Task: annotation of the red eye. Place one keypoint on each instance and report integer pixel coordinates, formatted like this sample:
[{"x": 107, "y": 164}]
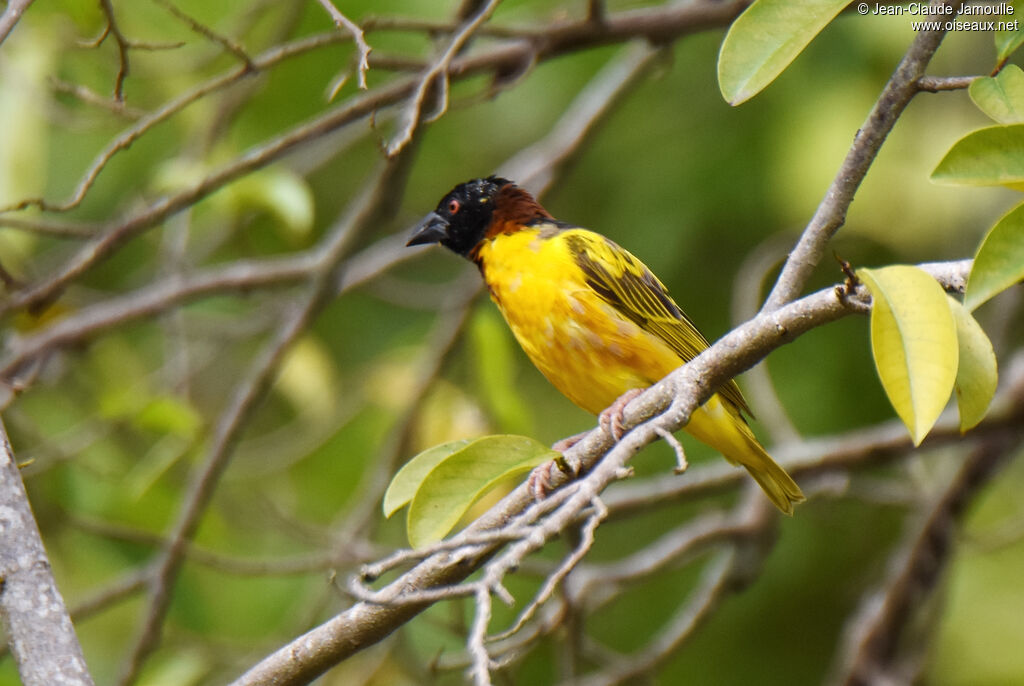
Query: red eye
[{"x": 453, "y": 206}]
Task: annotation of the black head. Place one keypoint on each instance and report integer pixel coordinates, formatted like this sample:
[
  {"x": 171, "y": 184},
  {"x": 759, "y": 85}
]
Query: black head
[{"x": 462, "y": 217}]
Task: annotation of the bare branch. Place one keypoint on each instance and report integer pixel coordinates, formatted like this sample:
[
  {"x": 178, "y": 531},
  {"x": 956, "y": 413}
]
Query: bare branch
[
  {"x": 747, "y": 294},
  {"x": 205, "y": 31},
  {"x": 346, "y": 24},
  {"x": 871, "y": 650},
  {"x": 12, "y": 13},
  {"x": 714, "y": 585},
  {"x": 247, "y": 396},
  {"x": 90, "y": 97},
  {"x": 936, "y": 84},
  {"x": 668, "y": 402},
  {"x": 536, "y": 166},
  {"x": 831, "y": 213},
  {"x": 660, "y": 23},
  {"x": 437, "y": 77},
  {"x": 122, "y": 49},
  {"x": 39, "y": 628},
  {"x": 125, "y": 140},
  {"x": 551, "y": 583}
]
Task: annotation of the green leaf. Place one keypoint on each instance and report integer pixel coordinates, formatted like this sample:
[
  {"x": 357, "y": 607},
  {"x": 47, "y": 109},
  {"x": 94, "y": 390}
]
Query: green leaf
[
  {"x": 408, "y": 479},
  {"x": 987, "y": 157},
  {"x": 494, "y": 359},
  {"x": 913, "y": 340},
  {"x": 170, "y": 414},
  {"x": 309, "y": 380},
  {"x": 465, "y": 475},
  {"x": 1002, "y": 96},
  {"x": 282, "y": 193},
  {"x": 765, "y": 39},
  {"x": 1007, "y": 41},
  {"x": 976, "y": 374},
  {"x": 999, "y": 262}
]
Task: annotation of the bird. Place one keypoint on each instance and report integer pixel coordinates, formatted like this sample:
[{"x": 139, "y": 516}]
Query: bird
[{"x": 590, "y": 315}]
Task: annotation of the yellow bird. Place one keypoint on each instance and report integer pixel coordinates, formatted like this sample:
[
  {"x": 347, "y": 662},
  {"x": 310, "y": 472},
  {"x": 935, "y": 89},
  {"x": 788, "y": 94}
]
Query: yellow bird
[{"x": 591, "y": 316}]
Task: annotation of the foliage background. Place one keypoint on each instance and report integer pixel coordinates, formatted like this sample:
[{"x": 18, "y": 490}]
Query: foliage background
[{"x": 113, "y": 425}]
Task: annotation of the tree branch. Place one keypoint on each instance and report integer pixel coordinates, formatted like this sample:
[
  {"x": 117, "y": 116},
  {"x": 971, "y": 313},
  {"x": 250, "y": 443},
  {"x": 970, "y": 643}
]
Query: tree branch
[
  {"x": 247, "y": 395},
  {"x": 658, "y": 24},
  {"x": 12, "y": 13},
  {"x": 874, "y": 636},
  {"x": 667, "y": 404},
  {"x": 39, "y": 629},
  {"x": 831, "y": 213}
]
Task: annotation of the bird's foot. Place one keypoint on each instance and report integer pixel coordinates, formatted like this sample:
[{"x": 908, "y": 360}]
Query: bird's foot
[
  {"x": 542, "y": 479},
  {"x": 611, "y": 419}
]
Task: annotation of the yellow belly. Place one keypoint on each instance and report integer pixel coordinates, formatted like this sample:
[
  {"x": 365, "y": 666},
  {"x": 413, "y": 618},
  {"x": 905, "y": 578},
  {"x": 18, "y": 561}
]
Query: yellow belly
[
  {"x": 584, "y": 347},
  {"x": 593, "y": 354}
]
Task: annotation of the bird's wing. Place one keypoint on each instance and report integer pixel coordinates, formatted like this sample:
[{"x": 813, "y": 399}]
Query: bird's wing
[{"x": 626, "y": 283}]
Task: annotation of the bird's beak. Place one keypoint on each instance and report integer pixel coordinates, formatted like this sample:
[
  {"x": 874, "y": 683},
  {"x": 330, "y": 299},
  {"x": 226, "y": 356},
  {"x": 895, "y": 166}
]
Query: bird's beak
[{"x": 432, "y": 229}]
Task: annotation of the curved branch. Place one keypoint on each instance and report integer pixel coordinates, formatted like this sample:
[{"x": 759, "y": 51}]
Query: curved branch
[
  {"x": 667, "y": 404},
  {"x": 248, "y": 393},
  {"x": 831, "y": 213},
  {"x": 658, "y": 25}
]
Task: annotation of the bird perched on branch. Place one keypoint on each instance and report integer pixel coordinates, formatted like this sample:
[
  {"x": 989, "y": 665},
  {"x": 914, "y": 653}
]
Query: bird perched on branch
[{"x": 591, "y": 316}]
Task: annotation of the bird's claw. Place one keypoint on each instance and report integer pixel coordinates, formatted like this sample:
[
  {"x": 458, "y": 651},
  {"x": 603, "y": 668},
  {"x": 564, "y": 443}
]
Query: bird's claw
[
  {"x": 541, "y": 480},
  {"x": 611, "y": 419}
]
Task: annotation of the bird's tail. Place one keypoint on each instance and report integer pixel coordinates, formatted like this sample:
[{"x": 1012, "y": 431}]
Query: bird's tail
[
  {"x": 721, "y": 426},
  {"x": 774, "y": 481}
]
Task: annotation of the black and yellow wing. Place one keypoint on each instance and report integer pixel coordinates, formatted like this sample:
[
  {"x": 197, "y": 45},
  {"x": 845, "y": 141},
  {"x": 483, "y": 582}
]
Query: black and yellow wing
[{"x": 624, "y": 282}]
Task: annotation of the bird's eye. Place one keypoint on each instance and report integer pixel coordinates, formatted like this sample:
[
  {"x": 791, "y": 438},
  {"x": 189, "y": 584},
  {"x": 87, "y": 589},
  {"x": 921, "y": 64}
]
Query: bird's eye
[{"x": 453, "y": 206}]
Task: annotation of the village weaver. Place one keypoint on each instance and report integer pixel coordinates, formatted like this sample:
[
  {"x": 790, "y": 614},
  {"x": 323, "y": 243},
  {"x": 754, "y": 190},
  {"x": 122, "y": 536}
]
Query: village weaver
[{"x": 591, "y": 316}]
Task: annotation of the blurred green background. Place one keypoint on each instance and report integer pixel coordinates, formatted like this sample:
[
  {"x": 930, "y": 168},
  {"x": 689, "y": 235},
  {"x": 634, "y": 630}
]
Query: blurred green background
[{"x": 689, "y": 184}]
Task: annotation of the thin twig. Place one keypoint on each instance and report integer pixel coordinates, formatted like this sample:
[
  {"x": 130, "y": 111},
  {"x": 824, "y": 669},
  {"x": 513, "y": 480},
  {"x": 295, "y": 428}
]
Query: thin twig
[
  {"x": 124, "y": 66},
  {"x": 231, "y": 46},
  {"x": 551, "y": 583},
  {"x": 714, "y": 585},
  {"x": 346, "y": 24},
  {"x": 936, "y": 84},
  {"x": 246, "y": 397},
  {"x": 125, "y": 140},
  {"x": 86, "y": 95},
  {"x": 437, "y": 76},
  {"x": 661, "y": 23}
]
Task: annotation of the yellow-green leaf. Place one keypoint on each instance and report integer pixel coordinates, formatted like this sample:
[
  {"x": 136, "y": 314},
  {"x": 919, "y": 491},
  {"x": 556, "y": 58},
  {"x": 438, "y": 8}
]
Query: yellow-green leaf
[
  {"x": 977, "y": 374},
  {"x": 993, "y": 156},
  {"x": 408, "y": 479},
  {"x": 170, "y": 414},
  {"x": 913, "y": 340},
  {"x": 999, "y": 262},
  {"x": 465, "y": 475},
  {"x": 282, "y": 193},
  {"x": 309, "y": 380},
  {"x": 765, "y": 39},
  {"x": 1011, "y": 38},
  {"x": 1002, "y": 96}
]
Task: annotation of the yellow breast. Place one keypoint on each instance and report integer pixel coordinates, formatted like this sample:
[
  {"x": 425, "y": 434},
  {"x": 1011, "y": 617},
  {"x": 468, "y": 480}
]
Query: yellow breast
[{"x": 585, "y": 348}]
